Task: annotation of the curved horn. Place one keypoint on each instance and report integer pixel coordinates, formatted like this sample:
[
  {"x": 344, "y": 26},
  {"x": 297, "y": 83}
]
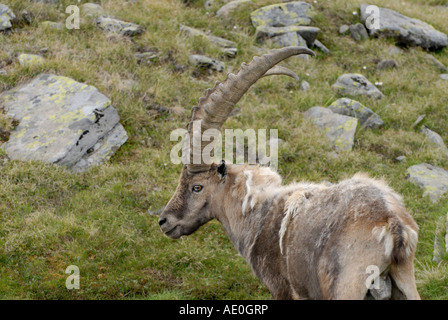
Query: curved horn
[
  {"x": 278, "y": 70},
  {"x": 214, "y": 108}
]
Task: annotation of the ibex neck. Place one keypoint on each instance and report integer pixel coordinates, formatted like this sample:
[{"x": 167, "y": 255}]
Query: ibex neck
[{"x": 254, "y": 198}]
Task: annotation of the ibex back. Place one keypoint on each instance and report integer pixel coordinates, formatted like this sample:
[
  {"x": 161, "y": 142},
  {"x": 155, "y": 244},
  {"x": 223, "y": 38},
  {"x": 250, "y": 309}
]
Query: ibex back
[{"x": 304, "y": 240}]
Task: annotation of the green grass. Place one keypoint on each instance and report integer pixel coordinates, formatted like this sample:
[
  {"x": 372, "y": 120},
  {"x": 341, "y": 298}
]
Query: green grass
[{"x": 51, "y": 218}]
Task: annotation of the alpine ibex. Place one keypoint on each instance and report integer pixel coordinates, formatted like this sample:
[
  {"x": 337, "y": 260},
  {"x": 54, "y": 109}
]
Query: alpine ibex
[{"x": 304, "y": 240}]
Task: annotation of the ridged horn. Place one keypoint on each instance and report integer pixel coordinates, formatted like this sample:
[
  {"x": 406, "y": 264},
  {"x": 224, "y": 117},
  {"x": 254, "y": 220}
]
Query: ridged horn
[{"x": 214, "y": 108}]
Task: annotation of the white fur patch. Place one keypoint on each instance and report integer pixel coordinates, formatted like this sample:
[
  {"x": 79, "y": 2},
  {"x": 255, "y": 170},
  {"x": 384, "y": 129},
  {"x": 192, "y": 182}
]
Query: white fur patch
[
  {"x": 412, "y": 241},
  {"x": 383, "y": 235},
  {"x": 248, "y": 175},
  {"x": 292, "y": 205},
  {"x": 284, "y": 225}
]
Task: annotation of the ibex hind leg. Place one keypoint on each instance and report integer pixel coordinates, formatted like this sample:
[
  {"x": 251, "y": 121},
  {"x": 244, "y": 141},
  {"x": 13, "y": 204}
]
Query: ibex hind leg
[
  {"x": 354, "y": 285},
  {"x": 351, "y": 286},
  {"x": 360, "y": 269},
  {"x": 403, "y": 281}
]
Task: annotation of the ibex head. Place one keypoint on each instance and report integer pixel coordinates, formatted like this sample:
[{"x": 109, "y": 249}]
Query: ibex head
[{"x": 201, "y": 185}]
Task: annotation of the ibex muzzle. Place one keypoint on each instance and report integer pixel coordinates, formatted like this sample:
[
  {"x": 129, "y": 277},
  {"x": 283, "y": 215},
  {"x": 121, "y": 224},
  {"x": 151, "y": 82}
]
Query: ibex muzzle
[{"x": 304, "y": 240}]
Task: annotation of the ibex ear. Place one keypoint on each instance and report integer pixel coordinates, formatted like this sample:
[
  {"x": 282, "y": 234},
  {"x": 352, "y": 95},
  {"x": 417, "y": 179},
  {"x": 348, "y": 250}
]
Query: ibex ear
[{"x": 222, "y": 169}]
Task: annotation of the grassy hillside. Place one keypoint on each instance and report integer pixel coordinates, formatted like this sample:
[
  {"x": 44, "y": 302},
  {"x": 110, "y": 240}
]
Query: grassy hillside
[{"x": 51, "y": 218}]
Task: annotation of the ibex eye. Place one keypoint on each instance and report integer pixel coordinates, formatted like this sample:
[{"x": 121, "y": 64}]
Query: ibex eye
[{"x": 197, "y": 188}]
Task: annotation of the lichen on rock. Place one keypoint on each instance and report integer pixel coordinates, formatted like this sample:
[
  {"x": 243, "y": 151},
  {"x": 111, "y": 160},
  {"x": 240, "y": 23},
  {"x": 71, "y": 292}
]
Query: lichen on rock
[{"x": 61, "y": 120}]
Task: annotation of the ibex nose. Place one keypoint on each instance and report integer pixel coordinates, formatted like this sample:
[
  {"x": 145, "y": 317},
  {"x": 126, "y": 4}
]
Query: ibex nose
[{"x": 162, "y": 221}]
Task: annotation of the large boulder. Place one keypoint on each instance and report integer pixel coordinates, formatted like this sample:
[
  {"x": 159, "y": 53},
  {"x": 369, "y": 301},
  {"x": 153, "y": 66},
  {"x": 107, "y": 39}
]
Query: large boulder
[
  {"x": 405, "y": 30},
  {"x": 283, "y": 14},
  {"x": 339, "y": 129},
  {"x": 61, "y": 121},
  {"x": 287, "y": 24},
  {"x": 354, "y": 84},
  {"x": 353, "y": 108},
  {"x": 6, "y": 15},
  {"x": 433, "y": 180}
]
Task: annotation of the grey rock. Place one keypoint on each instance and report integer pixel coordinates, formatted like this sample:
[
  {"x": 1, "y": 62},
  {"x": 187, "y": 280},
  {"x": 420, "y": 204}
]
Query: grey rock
[
  {"x": 419, "y": 121},
  {"x": 435, "y": 138},
  {"x": 444, "y": 76},
  {"x": 289, "y": 39},
  {"x": 92, "y": 10},
  {"x": 438, "y": 253},
  {"x": 204, "y": 62},
  {"x": 27, "y": 17},
  {"x": 386, "y": 64},
  {"x": 147, "y": 58},
  {"x": 284, "y": 14},
  {"x": 358, "y": 32},
  {"x": 304, "y": 86},
  {"x": 61, "y": 121},
  {"x": 344, "y": 29},
  {"x": 319, "y": 45},
  {"x": 113, "y": 25},
  {"x": 223, "y": 43},
  {"x": 226, "y": 10},
  {"x": 339, "y": 129},
  {"x": 208, "y": 4},
  {"x": 395, "y": 51},
  {"x": 352, "y": 108},
  {"x": 433, "y": 180},
  {"x": 400, "y": 158},
  {"x": 356, "y": 84},
  {"x": 308, "y": 33},
  {"x": 431, "y": 59},
  {"x": 3, "y": 72},
  {"x": 230, "y": 52},
  {"x": 6, "y": 15},
  {"x": 103, "y": 150},
  {"x": 405, "y": 30}
]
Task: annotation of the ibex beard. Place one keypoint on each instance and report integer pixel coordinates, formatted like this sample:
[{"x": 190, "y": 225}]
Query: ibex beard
[{"x": 304, "y": 240}]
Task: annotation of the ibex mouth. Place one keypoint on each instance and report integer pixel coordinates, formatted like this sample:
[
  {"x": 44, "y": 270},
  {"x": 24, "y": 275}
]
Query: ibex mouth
[{"x": 171, "y": 231}]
